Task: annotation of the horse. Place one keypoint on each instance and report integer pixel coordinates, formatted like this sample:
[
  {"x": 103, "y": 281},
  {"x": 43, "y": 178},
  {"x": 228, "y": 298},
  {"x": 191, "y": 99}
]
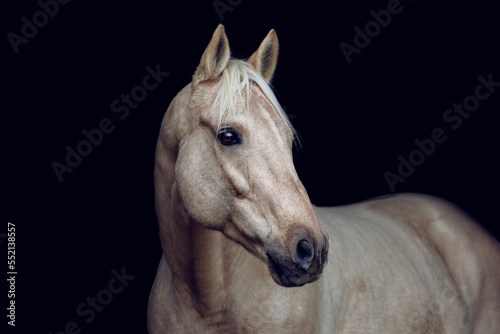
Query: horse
[{"x": 245, "y": 251}]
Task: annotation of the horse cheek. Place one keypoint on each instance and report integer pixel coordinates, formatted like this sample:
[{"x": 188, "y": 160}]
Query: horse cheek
[{"x": 200, "y": 188}]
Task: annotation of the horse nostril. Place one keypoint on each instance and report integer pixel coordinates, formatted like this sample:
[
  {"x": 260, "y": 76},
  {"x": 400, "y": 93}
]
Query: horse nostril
[
  {"x": 304, "y": 253},
  {"x": 324, "y": 252}
]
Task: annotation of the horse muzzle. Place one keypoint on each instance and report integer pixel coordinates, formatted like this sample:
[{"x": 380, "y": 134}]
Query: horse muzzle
[{"x": 302, "y": 264}]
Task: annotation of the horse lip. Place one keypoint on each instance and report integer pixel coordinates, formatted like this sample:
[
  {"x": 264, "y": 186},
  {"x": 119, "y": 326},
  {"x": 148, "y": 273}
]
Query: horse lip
[
  {"x": 280, "y": 276},
  {"x": 277, "y": 273}
]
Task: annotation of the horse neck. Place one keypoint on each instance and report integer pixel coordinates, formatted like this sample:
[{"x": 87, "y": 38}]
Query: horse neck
[{"x": 200, "y": 261}]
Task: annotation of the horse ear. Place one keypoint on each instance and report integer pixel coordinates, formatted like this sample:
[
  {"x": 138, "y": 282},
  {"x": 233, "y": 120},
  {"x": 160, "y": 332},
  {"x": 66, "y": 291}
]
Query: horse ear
[
  {"x": 215, "y": 58},
  {"x": 265, "y": 58}
]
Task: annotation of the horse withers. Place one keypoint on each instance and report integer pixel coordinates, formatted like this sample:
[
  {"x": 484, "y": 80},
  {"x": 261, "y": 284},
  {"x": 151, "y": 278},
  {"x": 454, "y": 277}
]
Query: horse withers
[{"x": 245, "y": 251}]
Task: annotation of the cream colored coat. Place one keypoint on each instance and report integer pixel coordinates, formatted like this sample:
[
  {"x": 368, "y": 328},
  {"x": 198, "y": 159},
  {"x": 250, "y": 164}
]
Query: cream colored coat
[{"x": 230, "y": 218}]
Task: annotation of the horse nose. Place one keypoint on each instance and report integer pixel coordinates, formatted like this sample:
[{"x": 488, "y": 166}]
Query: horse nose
[
  {"x": 304, "y": 254},
  {"x": 305, "y": 262},
  {"x": 311, "y": 255}
]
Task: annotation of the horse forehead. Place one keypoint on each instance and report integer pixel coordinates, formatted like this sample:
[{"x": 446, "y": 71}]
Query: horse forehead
[
  {"x": 258, "y": 108},
  {"x": 261, "y": 100},
  {"x": 251, "y": 109}
]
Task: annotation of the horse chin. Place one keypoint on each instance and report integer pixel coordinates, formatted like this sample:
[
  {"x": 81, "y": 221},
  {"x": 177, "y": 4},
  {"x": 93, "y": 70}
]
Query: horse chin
[
  {"x": 287, "y": 283},
  {"x": 287, "y": 277}
]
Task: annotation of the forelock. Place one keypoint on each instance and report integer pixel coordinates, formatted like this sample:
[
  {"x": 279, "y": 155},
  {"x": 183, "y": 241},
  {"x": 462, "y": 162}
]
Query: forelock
[{"x": 238, "y": 77}]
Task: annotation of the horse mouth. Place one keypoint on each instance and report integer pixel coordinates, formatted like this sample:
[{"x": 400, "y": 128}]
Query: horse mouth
[{"x": 287, "y": 274}]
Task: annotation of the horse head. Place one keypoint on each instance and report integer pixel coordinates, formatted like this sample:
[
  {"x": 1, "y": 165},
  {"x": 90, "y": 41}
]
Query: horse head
[{"x": 234, "y": 169}]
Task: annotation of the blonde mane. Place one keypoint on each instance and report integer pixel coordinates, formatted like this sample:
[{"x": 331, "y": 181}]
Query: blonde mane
[{"x": 237, "y": 77}]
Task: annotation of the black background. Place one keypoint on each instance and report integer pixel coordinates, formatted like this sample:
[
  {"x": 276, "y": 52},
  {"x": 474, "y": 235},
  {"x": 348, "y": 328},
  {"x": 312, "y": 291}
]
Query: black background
[{"x": 354, "y": 121}]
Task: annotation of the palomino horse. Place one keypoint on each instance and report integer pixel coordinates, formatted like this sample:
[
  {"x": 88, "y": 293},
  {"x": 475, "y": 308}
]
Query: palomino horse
[{"x": 243, "y": 247}]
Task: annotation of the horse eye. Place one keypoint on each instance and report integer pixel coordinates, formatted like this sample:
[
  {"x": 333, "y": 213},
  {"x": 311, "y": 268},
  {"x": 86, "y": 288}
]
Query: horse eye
[{"x": 229, "y": 137}]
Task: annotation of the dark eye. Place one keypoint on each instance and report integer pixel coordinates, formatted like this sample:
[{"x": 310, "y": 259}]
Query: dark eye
[{"x": 229, "y": 137}]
